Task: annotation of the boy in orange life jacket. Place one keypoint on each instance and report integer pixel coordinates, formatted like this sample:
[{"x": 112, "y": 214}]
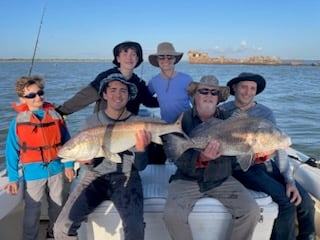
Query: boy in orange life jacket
[{"x": 34, "y": 138}]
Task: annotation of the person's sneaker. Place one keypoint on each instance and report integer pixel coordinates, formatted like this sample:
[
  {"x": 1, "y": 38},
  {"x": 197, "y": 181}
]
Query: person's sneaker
[{"x": 49, "y": 236}]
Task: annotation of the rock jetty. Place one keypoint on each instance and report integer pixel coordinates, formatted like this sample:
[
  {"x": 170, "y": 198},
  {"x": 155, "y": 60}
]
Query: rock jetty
[{"x": 196, "y": 57}]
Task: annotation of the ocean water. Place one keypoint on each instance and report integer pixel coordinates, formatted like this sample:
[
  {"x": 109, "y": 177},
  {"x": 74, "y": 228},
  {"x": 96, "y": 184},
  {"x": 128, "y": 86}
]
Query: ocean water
[{"x": 292, "y": 92}]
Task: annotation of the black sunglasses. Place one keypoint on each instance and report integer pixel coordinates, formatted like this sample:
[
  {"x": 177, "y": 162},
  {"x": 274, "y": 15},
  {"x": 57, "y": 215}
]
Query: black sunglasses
[
  {"x": 205, "y": 91},
  {"x": 163, "y": 57},
  {"x": 33, "y": 95}
]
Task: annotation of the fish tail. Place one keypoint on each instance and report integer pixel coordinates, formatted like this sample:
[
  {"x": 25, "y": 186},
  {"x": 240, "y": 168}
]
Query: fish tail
[
  {"x": 175, "y": 145},
  {"x": 178, "y": 123}
]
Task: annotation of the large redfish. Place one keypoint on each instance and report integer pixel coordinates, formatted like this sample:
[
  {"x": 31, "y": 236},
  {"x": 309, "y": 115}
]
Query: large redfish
[
  {"x": 110, "y": 139},
  {"x": 240, "y": 136}
]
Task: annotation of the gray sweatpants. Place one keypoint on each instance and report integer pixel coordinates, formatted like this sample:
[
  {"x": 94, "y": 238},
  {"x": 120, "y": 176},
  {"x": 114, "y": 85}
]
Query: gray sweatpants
[
  {"x": 34, "y": 191},
  {"x": 231, "y": 193}
]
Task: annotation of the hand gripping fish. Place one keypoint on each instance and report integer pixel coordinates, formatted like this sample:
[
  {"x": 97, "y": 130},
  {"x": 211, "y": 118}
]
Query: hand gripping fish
[
  {"x": 110, "y": 139},
  {"x": 239, "y": 136}
]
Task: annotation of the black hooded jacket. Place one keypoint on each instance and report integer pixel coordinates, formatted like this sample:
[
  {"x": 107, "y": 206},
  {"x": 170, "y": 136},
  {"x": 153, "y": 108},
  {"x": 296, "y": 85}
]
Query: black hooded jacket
[{"x": 90, "y": 94}]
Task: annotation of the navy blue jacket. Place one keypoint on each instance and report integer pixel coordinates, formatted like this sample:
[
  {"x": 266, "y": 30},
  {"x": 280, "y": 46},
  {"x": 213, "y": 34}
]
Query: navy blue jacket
[{"x": 215, "y": 173}]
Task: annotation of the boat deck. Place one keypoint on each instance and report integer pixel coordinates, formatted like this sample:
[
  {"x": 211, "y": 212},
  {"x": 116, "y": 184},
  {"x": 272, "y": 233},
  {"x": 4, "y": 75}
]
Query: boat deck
[{"x": 11, "y": 225}]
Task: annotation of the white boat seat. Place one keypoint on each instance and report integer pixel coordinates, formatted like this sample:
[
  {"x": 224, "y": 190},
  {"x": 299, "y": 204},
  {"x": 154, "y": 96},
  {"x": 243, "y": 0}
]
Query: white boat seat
[{"x": 206, "y": 212}]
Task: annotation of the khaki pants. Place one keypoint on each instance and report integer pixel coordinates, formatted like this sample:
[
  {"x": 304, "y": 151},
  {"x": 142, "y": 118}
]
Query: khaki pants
[{"x": 231, "y": 193}]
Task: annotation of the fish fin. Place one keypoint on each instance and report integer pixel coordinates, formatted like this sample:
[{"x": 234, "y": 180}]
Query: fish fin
[
  {"x": 238, "y": 113},
  {"x": 157, "y": 140},
  {"x": 245, "y": 161},
  {"x": 114, "y": 157},
  {"x": 174, "y": 145},
  {"x": 64, "y": 160},
  {"x": 147, "y": 119}
]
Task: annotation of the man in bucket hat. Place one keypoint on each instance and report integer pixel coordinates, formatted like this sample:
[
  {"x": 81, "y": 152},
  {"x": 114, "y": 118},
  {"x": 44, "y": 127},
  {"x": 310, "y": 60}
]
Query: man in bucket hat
[
  {"x": 207, "y": 173},
  {"x": 170, "y": 87},
  {"x": 127, "y": 56},
  {"x": 272, "y": 176},
  {"x": 132, "y": 88},
  {"x": 106, "y": 180}
]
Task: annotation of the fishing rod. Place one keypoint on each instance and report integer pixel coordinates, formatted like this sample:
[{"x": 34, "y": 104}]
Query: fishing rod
[
  {"x": 36, "y": 45},
  {"x": 313, "y": 162}
]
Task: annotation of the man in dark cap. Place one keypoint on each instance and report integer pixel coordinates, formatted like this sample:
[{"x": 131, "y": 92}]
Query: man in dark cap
[
  {"x": 272, "y": 176},
  {"x": 127, "y": 56},
  {"x": 107, "y": 180}
]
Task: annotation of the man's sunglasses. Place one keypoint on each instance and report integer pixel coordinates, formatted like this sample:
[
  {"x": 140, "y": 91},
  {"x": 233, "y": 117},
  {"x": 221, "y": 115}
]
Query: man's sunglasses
[
  {"x": 33, "y": 95},
  {"x": 205, "y": 91},
  {"x": 169, "y": 57}
]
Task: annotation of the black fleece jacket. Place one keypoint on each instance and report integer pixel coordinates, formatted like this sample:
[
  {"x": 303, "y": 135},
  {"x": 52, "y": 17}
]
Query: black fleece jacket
[{"x": 90, "y": 94}]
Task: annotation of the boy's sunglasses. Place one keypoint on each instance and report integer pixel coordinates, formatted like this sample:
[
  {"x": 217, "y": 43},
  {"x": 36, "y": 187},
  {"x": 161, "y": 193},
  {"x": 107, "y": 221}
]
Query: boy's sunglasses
[
  {"x": 205, "y": 91},
  {"x": 33, "y": 95}
]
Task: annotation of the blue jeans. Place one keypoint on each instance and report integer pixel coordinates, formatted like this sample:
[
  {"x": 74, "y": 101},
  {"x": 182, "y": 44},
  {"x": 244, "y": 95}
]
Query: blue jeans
[
  {"x": 271, "y": 182},
  {"x": 124, "y": 191}
]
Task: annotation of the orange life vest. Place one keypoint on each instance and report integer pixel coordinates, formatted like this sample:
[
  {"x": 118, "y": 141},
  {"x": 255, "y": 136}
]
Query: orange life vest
[{"x": 39, "y": 140}]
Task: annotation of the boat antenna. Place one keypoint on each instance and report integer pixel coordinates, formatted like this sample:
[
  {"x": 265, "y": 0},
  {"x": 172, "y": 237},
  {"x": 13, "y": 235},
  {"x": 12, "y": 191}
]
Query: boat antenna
[{"x": 36, "y": 45}]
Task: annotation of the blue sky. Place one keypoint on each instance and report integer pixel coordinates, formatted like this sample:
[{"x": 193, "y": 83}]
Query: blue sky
[{"x": 289, "y": 29}]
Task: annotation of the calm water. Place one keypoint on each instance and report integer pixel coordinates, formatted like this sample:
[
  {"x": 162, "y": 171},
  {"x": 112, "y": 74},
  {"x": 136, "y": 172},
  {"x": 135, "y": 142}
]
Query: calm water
[{"x": 292, "y": 92}]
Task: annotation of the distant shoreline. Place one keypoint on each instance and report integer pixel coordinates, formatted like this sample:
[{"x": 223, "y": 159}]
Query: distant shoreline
[
  {"x": 284, "y": 62},
  {"x": 53, "y": 60}
]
